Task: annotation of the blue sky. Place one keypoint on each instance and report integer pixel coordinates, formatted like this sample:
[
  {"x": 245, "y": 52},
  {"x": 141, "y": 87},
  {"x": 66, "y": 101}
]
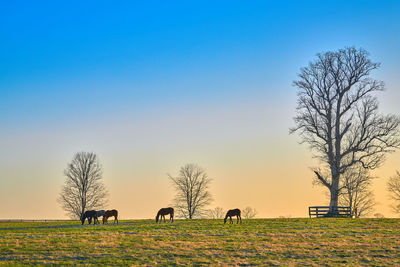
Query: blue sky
[
  {"x": 100, "y": 57},
  {"x": 200, "y": 80}
]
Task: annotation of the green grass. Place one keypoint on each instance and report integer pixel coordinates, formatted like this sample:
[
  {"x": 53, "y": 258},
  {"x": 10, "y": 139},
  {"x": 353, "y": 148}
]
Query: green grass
[{"x": 322, "y": 241}]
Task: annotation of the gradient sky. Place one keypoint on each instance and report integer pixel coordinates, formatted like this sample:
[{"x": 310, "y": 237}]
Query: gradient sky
[{"x": 151, "y": 86}]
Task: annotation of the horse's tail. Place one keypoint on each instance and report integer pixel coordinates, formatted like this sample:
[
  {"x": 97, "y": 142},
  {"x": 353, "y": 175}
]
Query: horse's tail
[{"x": 116, "y": 216}]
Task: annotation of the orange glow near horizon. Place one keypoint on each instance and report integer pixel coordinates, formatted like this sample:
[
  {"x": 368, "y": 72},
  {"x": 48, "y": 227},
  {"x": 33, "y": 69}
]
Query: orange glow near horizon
[{"x": 251, "y": 164}]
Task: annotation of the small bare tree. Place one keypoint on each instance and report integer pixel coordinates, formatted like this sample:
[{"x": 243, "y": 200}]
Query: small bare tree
[
  {"x": 337, "y": 116},
  {"x": 393, "y": 186},
  {"x": 379, "y": 215},
  {"x": 216, "y": 213},
  {"x": 83, "y": 189},
  {"x": 249, "y": 213},
  {"x": 192, "y": 191},
  {"x": 356, "y": 192}
]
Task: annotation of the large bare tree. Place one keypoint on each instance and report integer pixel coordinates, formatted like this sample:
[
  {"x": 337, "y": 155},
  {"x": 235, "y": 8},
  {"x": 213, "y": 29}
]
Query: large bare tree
[
  {"x": 393, "y": 186},
  {"x": 83, "y": 189},
  {"x": 337, "y": 115},
  {"x": 192, "y": 195}
]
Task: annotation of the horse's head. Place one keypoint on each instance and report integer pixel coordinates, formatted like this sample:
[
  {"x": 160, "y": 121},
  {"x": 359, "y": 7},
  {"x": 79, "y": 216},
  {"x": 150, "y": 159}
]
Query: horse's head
[
  {"x": 83, "y": 219},
  {"x": 225, "y": 219},
  {"x": 157, "y": 218}
]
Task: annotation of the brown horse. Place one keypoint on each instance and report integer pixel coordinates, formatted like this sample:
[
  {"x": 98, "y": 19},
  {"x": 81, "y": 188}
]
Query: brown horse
[
  {"x": 230, "y": 213},
  {"x": 165, "y": 211},
  {"x": 110, "y": 213}
]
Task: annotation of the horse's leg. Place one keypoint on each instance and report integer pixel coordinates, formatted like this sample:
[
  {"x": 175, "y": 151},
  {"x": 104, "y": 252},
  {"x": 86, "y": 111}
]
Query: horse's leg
[
  {"x": 230, "y": 219},
  {"x": 237, "y": 219},
  {"x": 164, "y": 217},
  {"x": 240, "y": 217}
]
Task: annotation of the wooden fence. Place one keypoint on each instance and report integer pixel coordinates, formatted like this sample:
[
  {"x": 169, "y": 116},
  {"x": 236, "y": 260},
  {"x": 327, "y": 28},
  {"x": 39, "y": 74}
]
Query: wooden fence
[{"x": 323, "y": 211}]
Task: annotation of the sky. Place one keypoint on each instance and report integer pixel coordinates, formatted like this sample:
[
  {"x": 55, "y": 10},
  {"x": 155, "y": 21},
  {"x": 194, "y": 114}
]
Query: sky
[{"x": 150, "y": 86}]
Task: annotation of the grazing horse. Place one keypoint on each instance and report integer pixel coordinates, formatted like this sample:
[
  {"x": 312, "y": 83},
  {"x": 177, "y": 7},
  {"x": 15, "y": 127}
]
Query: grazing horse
[
  {"x": 89, "y": 214},
  {"x": 110, "y": 213},
  {"x": 99, "y": 213},
  {"x": 230, "y": 213},
  {"x": 165, "y": 211}
]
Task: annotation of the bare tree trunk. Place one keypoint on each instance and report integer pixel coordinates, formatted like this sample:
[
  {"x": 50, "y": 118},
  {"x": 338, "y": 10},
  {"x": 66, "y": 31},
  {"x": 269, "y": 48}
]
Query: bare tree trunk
[{"x": 333, "y": 204}]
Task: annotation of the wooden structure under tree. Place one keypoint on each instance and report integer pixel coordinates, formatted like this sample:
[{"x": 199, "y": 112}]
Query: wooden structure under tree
[{"x": 324, "y": 211}]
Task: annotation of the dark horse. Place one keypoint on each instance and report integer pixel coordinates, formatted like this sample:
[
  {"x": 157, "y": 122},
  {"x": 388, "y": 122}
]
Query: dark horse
[
  {"x": 110, "y": 213},
  {"x": 89, "y": 214},
  {"x": 99, "y": 213},
  {"x": 165, "y": 211},
  {"x": 230, "y": 213}
]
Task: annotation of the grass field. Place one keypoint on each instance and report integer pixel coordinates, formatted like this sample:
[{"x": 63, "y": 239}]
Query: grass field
[{"x": 322, "y": 241}]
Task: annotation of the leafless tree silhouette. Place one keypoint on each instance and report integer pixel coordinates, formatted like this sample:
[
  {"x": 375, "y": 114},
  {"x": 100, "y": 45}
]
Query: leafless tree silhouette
[
  {"x": 337, "y": 115},
  {"x": 249, "y": 213},
  {"x": 83, "y": 189},
  {"x": 393, "y": 186},
  {"x": 216, "y": 213},
  {"x": 192, "y": 194},
  {"x": 356, "y": 191}
]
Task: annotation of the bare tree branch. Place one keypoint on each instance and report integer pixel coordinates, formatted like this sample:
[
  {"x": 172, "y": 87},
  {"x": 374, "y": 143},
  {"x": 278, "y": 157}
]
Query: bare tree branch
[
  {"x": 249, "y": 213},
  {"x": 393, "y": 186},
  {"x": 216, "y": 213},
  {"x": 355, "y": 191}
]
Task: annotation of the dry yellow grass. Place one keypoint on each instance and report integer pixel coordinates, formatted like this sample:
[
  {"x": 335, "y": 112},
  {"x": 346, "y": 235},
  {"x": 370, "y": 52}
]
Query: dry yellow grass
[{"x": 310, "y": 242}]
